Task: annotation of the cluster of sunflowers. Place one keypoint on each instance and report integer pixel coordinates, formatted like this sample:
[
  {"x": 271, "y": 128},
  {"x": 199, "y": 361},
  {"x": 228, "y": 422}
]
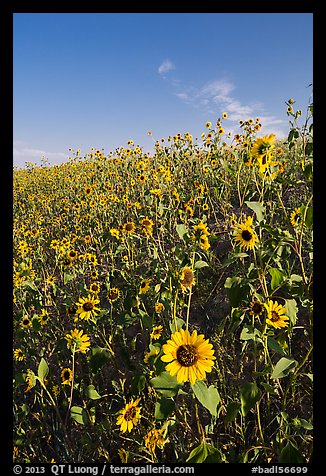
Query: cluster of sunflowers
[{"x": 114, "y": 254}]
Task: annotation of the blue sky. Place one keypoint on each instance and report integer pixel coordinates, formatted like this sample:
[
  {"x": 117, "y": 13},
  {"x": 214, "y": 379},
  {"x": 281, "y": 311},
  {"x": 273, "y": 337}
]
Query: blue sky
[{"x": 85, "y": 80}]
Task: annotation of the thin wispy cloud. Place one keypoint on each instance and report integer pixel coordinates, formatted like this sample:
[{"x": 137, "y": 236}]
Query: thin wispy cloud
[
  {"x": 165, "y": 67},
  {"x": 23, "y": 153},
  {"x": 218, "y": 95}
]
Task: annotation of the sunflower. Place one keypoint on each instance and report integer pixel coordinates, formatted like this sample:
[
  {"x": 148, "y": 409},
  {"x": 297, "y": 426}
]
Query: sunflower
[
  {"x": 44, "y": 317},
  {"x": 201, "y": 228},
  {"x": 50, "y": 280},
  {"x": 256, "y": 308},
  {"x": 115, "y": 232},
  {"x": 296, "y": 217},
  {"x": 159, "y": 306},
  {"x": 187, "y": 278},
  {"x": 25, "y": 322},
  {"x": 129, "y": 416},
  {"x": 94, "y": 274},
  {"x": 78, "y": 340},
  {"x": 189, "y": 356},
  {"x": 156, "y": 332},
  {"x": 72, "y": 255},
  {"x": 144, "y": 286},
  {"x": 30, "y": 379},
  {"x": 224, "y": 115},
  {"x": 154, "y": 438},
  {"x": 147, "y": 223},
  {"x": 262, "y": 151},
  {"x": 204, "y": 243},
  {"x": 128, "y": 228},
  {"x": 95, "y": 288},
  {"x": 86, "y": 307},
  {"x": 113, "y": 294},
  {"x": 19, "y": 355},
  {"x": 245, "y": 235},
  {"x": 66, "y": 376},
  {"x": 276, "y": 314}
]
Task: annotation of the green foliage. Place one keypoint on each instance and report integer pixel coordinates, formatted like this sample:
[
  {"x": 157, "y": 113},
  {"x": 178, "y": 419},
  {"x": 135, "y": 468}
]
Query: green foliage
[{"x": 109, "y": 236}]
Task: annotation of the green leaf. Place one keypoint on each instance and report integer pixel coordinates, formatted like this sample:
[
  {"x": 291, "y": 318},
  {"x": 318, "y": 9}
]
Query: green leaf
[
  {"x": 249, "y": 395},
  {"x": 231, "y": 411},
  {"x": 138, "y": 384},
  {"x": 99, "y": 356},
  {"x": 283, "y": 367},
  {"x": 291, "y": 310},
  {"x": 306, "y": 424},
  {"x": 207, "y": 396},
  {"x": 250, "y": 333},
  {"x": 274, "y": 345},
  {"x": 181, "y": 230},
  {"x": 92, "y": 393},
  {"x": 258, "y": 208},
  {"x": 43, "y": 370},
  {"x": 201, "y": 264},
  {"x": 67, "y": 277},
  {"x": 290, "y": 454},
  {"x": 180, "y": 322},
  {"x": 79, "y": 415},
  {"x": 29, "y": 284},
  {"x": 236, "y": 289},
  {"x": 166, "y": 384},
  {"x": 163, "y": 408},
  {"x": 277, "y": 277},
  {"x": 204, "y": 453}
]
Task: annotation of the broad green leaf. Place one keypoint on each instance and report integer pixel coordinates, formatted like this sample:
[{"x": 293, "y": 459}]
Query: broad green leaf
[
  {"x": 181, "y": 230},
  {"x": 98, "y": 357},
  {"x": 283, "y": 367},
  {"x": 258, "y": 208},
  {"x": 207, "y": 396},
  {"x": 43, "y": 370},
  {"x": 67, "y": 277},
  {"x": 163, "y": 408},
  {"x": 204, "y": 453},
  {"x": 274, "y": 345},
  {"x": 277, "y": 277},
  {"x": 309, "y": 217},
  {"x": 138, "y": 384},
  {"x": 29, "y": 284},
  {"x": 290, "y": 454},
  {"x": 231, "y": 411},
  {"x": 249, "y": 395},
  {"x": 250, "y": 333},
  {"x": 166, "y": 384},
  {"x": 201, "y": 264},
  {"x": 291, "y": 310},
  {"x": 92, "y": 393},
  {"x": 236, "y": 289},
  {"x": 79, "y": 415},
  {"x": 179, "y": 323}
]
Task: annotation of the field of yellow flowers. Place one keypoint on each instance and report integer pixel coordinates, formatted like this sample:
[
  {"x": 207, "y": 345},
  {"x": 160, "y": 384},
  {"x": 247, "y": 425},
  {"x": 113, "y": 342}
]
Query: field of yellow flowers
[{"x": 163, "y": 302}]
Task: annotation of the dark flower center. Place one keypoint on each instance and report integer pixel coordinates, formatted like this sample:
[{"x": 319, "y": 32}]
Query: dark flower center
[
  {"x": 88, "y": 306},
  {"x": 130, "y": 414},
  {"x": 257, "y": 308},
  {"x": 66, "y": 375},
  {"x": 274, "y": 316},
  {"x": 113, "y": 295},
  {"x": 246, "y": 235},
  {"x": 187, "y": 355}
]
